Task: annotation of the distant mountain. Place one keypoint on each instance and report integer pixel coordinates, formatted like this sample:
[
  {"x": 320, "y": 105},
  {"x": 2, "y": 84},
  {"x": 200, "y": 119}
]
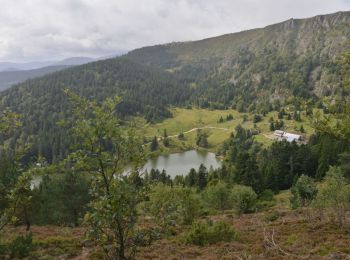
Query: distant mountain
[
  {"x": 9, "y": 78},
  {"x": 19, "y": 72},
  {"x": 5, "y": 66},
  {"x": 74, "y": 61}
]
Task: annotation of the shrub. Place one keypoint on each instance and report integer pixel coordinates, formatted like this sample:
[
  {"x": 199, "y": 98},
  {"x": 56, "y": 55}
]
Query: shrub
[
  {"x": 266, "y": 195},
  {"x": 334, "y": 195},
  {"x": 266, "y": 199},
  {"x": 202, "y": 234},
  {"x": 3, "y": 250},
  {"x": 304, "y": 191},
  {"x": 243, "y": 198},
  {"x": 171, "y": 206},
  {"x": 21, "y": 246},
  {"x": 257, "y": 118},
  {"x": 273, "y": 216},
  {"x": 218, "y": 196}
]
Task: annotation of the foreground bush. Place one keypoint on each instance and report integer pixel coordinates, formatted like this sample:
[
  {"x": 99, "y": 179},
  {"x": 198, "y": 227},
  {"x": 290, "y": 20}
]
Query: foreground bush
[
  {"x": 217, "y": 196},
  {"x": 21, "y": 246},
  {"x": 202, "y": 234},
  {"x": 304, "y": 191},
  {"x": 171, "y": 206},
  {"x": 243, "y": 199},
  {"x": 333, "y": 197}
]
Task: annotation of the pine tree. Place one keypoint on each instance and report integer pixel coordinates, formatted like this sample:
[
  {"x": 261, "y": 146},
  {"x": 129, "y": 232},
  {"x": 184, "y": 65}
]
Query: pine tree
[
  {"x": 154, "y": 144},
  {"x": 181, "y": 136},
  {"x": 191, "y": 178},
  {"x": 202, "y": 179}
]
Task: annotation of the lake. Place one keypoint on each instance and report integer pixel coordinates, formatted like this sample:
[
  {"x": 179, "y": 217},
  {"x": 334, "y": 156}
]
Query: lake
[
  {"x": 181, "y": 163},
  {"x": 174, "y": 164}
]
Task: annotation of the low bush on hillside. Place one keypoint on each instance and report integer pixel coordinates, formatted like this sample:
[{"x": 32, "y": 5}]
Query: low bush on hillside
[
  {"x": 21, "y": 246},
  {"x": 243, "y": 199},
  {"x": 202, "y": 234}
]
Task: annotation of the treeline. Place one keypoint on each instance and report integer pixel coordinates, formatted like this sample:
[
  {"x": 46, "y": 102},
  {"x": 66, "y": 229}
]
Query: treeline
[
  {"x": 280, "y": 165},
  {"x": 62, "y": 196}
]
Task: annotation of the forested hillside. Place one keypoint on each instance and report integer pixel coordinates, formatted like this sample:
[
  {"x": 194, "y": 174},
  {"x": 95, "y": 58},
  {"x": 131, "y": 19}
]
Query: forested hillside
[
  {"x": 42, "y": 102},
  {"x": 257, "y": 68}
]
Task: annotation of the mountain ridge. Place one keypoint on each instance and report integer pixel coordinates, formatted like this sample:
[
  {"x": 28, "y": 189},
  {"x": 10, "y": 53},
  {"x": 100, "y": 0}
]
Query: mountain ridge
[{"x": 268, "y": 59}]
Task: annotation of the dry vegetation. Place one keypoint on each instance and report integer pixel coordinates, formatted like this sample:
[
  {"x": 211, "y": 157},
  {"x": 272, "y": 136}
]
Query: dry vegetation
[{"x": 276, "y": 233}]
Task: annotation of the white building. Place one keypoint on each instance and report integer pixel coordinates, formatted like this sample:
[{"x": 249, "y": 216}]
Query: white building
[{"x": 281, "y": 135}]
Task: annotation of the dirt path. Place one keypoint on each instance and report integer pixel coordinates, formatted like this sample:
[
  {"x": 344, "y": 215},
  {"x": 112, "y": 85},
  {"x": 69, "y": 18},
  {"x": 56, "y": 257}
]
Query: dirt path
[
  {"x": 195, "y": 129},
  {"x": 191, "y": 130},
  {"x": 204, "y": 127}
]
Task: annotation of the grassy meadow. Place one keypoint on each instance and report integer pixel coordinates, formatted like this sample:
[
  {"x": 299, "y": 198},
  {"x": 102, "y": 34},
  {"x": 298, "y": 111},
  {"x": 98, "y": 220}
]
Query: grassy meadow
[{"x": 187, "y": 120}]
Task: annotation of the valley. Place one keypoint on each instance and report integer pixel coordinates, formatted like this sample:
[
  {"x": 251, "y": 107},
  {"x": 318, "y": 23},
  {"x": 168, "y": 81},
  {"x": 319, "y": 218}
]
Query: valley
[{"x": 183, "y": 150}]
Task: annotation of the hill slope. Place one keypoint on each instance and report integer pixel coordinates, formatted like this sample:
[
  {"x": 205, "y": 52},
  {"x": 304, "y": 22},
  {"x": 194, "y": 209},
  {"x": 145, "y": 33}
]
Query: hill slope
[
  {"x": 259, "y": 66},
  {"x": 42, "y": 101}
]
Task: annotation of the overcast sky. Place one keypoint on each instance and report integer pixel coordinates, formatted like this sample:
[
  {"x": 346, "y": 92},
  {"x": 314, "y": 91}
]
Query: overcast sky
[{"x": 55, "y": 29}]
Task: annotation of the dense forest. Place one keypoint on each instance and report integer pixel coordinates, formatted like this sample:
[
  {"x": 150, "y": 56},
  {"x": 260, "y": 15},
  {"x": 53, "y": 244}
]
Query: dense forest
[{"x": 42, "y": 102}]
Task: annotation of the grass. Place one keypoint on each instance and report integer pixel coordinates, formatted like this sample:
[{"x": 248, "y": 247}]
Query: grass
[{"x": 184, "y": 120}]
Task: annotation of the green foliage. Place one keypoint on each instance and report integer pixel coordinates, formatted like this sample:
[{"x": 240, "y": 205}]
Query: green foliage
[
  {"x": 154, "y": 144},
  {"x": 155, "y": 176},
  {"x": 202, "y": 177},
  {"x": 270, "y": 217},
  {"x": 8, "y": 121},
  {"x": 202, "y": 139},
  {"x": 243, "y": 199},
  {"x": 229, "y": 117},
  {"x": 60, "y": 199},
  {"x": 217, "y": 196},
  {"x": 166, "y": 141},
  {"x": 104, "y": 150},
  {"x": 257, "y": 118},
  {"x": 333, "y": 197},
  {"x": 181, "y": 136},
  {"x": 202, "y": 234},
  {"x": 304, "y": 192},
  {"x": 21, "y": 246},
  {"x": 266, "y": 195},
  {"x": 18, "y": 199},
  {"x": 171, "y": 206},
  {"x": 112, "y": 217}
]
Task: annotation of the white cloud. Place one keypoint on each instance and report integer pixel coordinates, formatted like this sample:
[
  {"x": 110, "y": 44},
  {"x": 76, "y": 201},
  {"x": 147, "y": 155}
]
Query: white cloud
[{"x": 52, "y": 29}]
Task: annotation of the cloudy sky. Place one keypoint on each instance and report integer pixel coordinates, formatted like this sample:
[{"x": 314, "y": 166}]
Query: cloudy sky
[{"x": 55, "y": 29}]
